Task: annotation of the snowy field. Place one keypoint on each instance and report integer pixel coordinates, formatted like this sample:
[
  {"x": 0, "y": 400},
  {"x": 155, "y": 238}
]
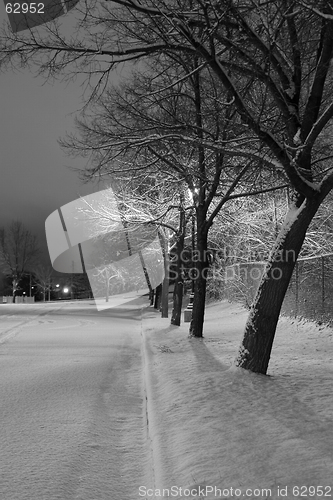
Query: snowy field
[{"x": 222, "y": 432}]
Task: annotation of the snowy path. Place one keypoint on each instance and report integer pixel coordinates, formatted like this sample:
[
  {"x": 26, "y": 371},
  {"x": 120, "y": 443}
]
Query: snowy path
[
  {"x": 102, "y": 406},
  {"x": 72, "y": 403}
]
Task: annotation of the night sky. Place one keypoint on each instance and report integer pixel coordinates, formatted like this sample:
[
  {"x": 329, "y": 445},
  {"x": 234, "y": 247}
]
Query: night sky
[{"x": 35, "y": 178}]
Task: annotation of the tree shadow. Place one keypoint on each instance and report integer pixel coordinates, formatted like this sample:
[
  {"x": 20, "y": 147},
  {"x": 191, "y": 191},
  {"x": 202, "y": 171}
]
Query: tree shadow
[{"x": 272, "y": 398}]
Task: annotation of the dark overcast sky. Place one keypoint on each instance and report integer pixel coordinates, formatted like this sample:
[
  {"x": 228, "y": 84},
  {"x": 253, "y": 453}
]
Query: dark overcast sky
[{"x": 35, "y": 179}]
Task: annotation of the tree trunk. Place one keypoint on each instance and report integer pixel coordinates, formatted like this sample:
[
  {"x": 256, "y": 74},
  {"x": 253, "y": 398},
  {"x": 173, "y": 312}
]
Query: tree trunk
[
  {"x": 165, "y": 283},
  {"x": 177, "y": 270},
  {"x": 165, "y": 296},
  {"x": 179, "y": 283},
  {"x": 200, "y": 270},
  {"x": 255, "y": 350},
  {"x": 158, "y": 292},
  {"x": 151, "y": 296},
  {"x": 177, "y": 301},
  {"x": 15, "y": 283}
]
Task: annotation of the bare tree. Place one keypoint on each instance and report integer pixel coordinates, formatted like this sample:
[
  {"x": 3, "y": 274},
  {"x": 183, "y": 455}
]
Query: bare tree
[
  {"x": 283, "y": 50},
  {"x": 181, "y": 129},
  {"x": 277, "y": 54},
  {"x": 161, "y": 204},
  {"x": 43, "y": 276},
  {"x": 124, "y": 252},
  {"x": 18, "y": 252},
  {"x": 246, "y": 230}
]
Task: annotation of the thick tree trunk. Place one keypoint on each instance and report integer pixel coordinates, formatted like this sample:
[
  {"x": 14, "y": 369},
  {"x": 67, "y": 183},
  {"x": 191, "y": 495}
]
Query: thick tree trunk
[
  {"x": 201, "y": 269},
  {"x": 255, "y": 350}
]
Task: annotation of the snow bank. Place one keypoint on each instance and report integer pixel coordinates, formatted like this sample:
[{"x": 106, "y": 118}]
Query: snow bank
[{"x": 224, "y": 432}]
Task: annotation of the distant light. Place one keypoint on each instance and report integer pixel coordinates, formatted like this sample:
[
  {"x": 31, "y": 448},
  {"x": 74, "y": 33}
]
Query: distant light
[
  {"x": 66, "y": 290},
  {"x": 57, "y": 286}
]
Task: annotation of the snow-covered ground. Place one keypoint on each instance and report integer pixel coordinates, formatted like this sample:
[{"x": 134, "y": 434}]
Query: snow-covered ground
[
  {"x": 222, "y": 432},
  {"x": 214, "y": 431},
  {"x": 73, "y": 420}
]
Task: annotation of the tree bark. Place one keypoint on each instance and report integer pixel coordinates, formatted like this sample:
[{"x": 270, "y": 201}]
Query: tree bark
[
  {"x": 165, "y": 295},
  {"x": 177, "y": 298},
  {"x": 151, "y": 296},
  {"x": 15, "y": 283},
  {"x": 178, "y": 290},
  {"x": 158, "y": 292},
  {"x": 201, "y": 269},
  {"x": 165, "y": 283},
  {"x": 255, "y": 350},
  {"x": 179, "y": 283}
]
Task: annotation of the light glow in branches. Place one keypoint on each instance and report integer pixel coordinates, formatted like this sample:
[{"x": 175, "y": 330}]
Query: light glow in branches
[{"x": 119, "y": 257}]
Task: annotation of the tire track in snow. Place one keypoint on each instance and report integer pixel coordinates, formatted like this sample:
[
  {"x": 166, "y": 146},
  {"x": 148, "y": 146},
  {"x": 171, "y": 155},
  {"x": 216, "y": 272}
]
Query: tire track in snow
[
  {"x": 106, "y": 455},
  {"x": 16, "y": 329},
  {"x": 112, "y": 459},
  {"x": 109, "y": 460}
]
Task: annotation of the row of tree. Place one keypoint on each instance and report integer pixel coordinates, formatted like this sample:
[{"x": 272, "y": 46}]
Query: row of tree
[
  {"x": 21, "y": 263},
  {"x": 222, "y": 100},
  {"x": 19, "y": 252}
]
